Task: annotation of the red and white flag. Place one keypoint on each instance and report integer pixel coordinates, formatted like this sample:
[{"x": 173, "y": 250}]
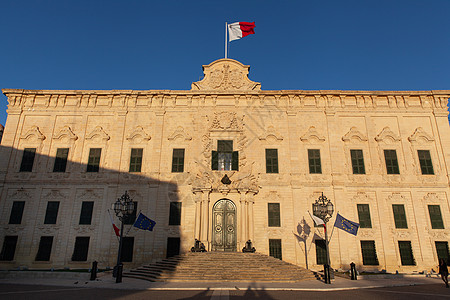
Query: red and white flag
[
  {"x": 240, "y": 29},
  {"x": 116, "y": 229}
]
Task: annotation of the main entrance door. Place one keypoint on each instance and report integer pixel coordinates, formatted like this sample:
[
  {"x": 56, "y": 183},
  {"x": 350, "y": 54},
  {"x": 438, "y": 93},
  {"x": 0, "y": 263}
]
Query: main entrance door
[{"x": 224, "y": 226}]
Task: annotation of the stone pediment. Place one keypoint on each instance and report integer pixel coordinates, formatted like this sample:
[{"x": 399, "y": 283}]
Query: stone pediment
[{"x": 226, "y": 75}]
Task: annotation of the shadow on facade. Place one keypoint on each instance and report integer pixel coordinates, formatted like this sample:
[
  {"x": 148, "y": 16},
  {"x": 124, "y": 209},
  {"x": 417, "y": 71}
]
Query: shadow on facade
[{"x": 56, "y": 220}]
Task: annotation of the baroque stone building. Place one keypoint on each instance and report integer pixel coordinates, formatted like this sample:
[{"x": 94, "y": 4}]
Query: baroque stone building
[{"x": 225, "y": 162}]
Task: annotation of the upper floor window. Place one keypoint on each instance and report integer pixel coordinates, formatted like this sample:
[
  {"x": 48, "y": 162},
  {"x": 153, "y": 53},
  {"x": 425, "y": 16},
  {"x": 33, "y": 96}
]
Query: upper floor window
[
  {"x": 61, "y": 160},
  {"x": 390, "y": 157},
  {"x": 129, "y": 220},
  {"x": 271, "y": 161},
  {"x": 16, "y": 212},
  {"x": 178, "y": 160},
  {"x": 315, "y": 166},
  {"x": 225, "y": 159},
  {"x": 426, "y": 166},
  {"x": 136, "y": 160},
  {"x": 86, "y": 212},
  {"x": 274, "y": 214},
  {"x": 364, "y": 216},
  {"x": 51, "y": 214},
  {"x": 175, "y": 213},
  {"x": 94, "y": 160},
  {"x": 399, "y": 216},
  {"x": 357, "y": 161},
  {"x": 435, "y": 217},
  {"x": 27, "y": 159}
]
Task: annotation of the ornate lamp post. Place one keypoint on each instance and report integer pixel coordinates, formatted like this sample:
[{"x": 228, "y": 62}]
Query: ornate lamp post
[
  {"x": 323, "y": 208},
  {"x": 123, "y": 207}
]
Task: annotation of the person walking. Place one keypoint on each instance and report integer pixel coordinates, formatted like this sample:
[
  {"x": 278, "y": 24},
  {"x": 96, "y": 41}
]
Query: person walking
[{"x": 443, "y": 270}]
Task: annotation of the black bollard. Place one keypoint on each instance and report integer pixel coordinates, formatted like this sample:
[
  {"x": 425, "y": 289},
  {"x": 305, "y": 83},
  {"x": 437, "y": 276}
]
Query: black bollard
[
  {"x": 353, "y": 273},
  {"x": 119, "y": 273},
  {"x": 326, "y": 272},
  {"x": 94, "y": 270}
]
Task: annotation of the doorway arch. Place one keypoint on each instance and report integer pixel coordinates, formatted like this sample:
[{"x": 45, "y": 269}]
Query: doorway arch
[{"x": 224, "y": 226}]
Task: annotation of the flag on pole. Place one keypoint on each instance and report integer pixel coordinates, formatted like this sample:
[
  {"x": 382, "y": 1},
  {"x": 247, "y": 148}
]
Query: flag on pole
[
  {"x": 143, "y": 222},
  {"x": 116, "y": 230},
  {"x": 346, "y": 225},
  {"x": 239, "y": 30},
  {"x": 317, "y": 220}
]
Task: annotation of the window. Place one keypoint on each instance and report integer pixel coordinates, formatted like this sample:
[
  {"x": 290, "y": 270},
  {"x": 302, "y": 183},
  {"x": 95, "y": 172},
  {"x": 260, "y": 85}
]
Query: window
[
  {"x": 406, "y": 254},
  {"x": 357, "y": 161},
  {"x": 9, "y": 248},
  {"x": 390, "y": 156},
  {"x": 369, "y": 253},
  {"x": 61, "y": 160},
  {"x": 442, "y": 250},
  {"x": 315, "y": 166},
  {"x": 80, "y": 251},
  {"x": 45, "y": 248},
  {"x": 426, "y": 166},
  {"x": 225, "y": 159},
  {"x": 321, "y": 252},
  {"x": 175, "y": 213},
  {"x": 52, "y": 212},
  {"x": 127, "y": 249},
  {"x": 136, "y": 160},
  {"x": 364, "y": 216},
  {"x": 399, "y": 216},
  {"x": 86, "y": 212},
  {"x": 27, "y": 160},
  {"x": 130, "y": 219},
  {"x": 16, "y": 212},
  {"x": 274, "y": 214},
  {"x": 178, "y": 161},
  {"x": 94, "y": 160},
  {"x": 435, "y": 217},
  {"x": 173, "y": 246},
  {"x": 271, "y": 161},
  {"x": 275, "y": 248}
]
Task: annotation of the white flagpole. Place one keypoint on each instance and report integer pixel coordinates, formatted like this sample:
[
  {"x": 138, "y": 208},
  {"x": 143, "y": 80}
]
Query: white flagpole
[{"x": 226, "y": 37}]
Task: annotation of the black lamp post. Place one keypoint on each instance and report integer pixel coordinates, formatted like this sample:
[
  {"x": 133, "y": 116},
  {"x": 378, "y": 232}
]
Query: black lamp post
[
  {"x": 323, "y": 208},
  {"x": 123, "y": 207}
]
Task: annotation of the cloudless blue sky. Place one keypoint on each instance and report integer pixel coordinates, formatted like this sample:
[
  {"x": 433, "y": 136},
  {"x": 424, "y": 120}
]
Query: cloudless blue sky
[{"x": 301, "y": 45}]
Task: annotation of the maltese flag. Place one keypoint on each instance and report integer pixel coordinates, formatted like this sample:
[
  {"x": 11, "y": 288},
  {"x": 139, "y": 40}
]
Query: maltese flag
[{"x": 240, "y": 29}]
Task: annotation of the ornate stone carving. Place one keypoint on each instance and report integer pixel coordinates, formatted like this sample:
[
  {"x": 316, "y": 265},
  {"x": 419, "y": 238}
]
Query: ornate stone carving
[
  {"x": 420, "y": 136},
  {"x": 54, "y": 194},
  {"x": 138, "y": 135},
  {"x": 20, "y": 194},
  {"x": 387, "y": 136},
  {"x": 354, "y": 134},
  {"x": 66, "y": 132},
  {"x": 98, "y": 133},
  {"x": 271, "y": 135},
  {"x": 89, "y": 194},
  {"x": 179, "y": 133},
  {"x": 84, "y": 229},
  {"x": 226, "y": 121},
  {"x": 226, "y": 75},
  {"x": 312, "y": 136},
  {"x": 33, "y": 134}
]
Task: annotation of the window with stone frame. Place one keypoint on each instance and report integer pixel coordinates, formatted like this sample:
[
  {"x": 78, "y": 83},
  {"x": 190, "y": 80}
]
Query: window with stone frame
[
  {"x": 274, "y": 219},
  {"x": 321, "y": 252},
  {"x": 369, "y": 253},
  {"x": 315, "y": 165},
  {"x": 390, "y": 157},
  {"x": 357, "y": 161},
  {"x": 406, "y": 253},
  {"x": 135, "y": 160},
  {"x": 45, "y": 248},
  {"x": 81, "y": 248},
  {"x": 87, "y": 207},
  {"x": 275, "y": 248},
  {"x": 175, "y": 213},
  {"x": 129, "y": 220},
  {"x": 27, "y": 160},
  {"x": 225, "y": 159},
  {"x": 435, "y": 217},
  {"x": 271, "y": 161},
  {"x": 61, "y": 160},
  {"x": 8, "y": 248},
  {"x": 16, "y": 212},
  {"x": 178, "y": 161},
  {"x": 51, "y": 213},
  {"x": 399, "y": 216},
  {"x": 442, "y": 250},
  {"x": 426, "y": 165},
  {"x": 364, "y": 216},
  {"x": 94, "y": 160}
]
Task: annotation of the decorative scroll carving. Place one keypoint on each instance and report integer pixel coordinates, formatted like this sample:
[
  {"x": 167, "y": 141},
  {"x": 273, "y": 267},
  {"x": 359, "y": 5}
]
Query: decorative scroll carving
[
  {"x": 65, "y": 132},
  {"x": 271, "y": 134},
  {"x": 33, "y": 133},
  {"x": 54, "y": 194},
  {"x": 181, "y": 134},
  {"x": 420, "y": 136},
  {"x": 387, "y": 135},
  {"x": 312, "y": 135},
  {"x": 20, "y": 194},
  {"x": 98, "y": 132},
  {"x": 226, "y": 121},
  {"x": 226, "y": 75},
  {"x": 354, "y": 134},
  {"x": 89, "y": 194},
  {"x": 138, "y": 135}
]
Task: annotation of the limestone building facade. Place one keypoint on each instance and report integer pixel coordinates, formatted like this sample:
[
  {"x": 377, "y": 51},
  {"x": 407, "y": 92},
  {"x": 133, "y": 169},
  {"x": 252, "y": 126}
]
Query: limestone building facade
[{"x": 224, "y": 163}]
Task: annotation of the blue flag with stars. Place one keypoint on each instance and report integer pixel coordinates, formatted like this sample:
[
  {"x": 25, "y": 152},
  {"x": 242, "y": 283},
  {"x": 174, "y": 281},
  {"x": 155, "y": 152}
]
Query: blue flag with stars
[
  {"x": 346, "y": 225},
  {"x": 143, "y": 222}
]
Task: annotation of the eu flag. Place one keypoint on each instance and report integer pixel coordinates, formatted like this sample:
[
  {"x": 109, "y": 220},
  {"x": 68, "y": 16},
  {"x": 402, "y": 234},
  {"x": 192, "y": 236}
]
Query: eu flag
[
  {"x": 346, "y": 225},
  {"x": 143, "y": 222}
]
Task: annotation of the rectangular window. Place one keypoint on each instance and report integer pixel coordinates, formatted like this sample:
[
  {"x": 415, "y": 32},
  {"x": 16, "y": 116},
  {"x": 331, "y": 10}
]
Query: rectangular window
[
  {"x": 426, "y": 166},
  {"x": 406, "y": 254},
  {"x": 399, "y": 216},
  {"x": 51, "y": 214},
  {"x": 225, "y": 159},
  {"x": 275, "y": 248},
  {"x": 94, "y": 160},
  {"x": 9, "y": 248},
  {"x": 274, "y": 214},
  {"x": 80, "y": 251},
  {"x": 271, "y": 161},
  {"x": 131, "y": 218},
  {"x": 16, "y": 212},
  {"x": 175, "y": 213},
  {"x": 369, "y": 253},
  {"x": 321, "y": 252},
  {"x": 136, "y": 160},
  {"x": 390, "y": 156},
  {"x": 364, "y": 216},
  {"x": 86, "y": 212},
  {"x": 27, "y": 159},
  {"x": 442, "y": 250},
  {"x": 435, "y": 217},
  {"x": 315, "y": 167},
  {"x": 127, "y": 249},
  {"x": 178, "y": 161},
  {"x": 173, "y": 246},
  {"x": 45, "y": 248},
  {"x": 357, "y": 162},
  {"x": 61, "y": 160}
]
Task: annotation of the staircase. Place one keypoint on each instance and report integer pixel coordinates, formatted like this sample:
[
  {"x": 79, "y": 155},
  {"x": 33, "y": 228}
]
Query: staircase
[{"x": 221, "y": 266}]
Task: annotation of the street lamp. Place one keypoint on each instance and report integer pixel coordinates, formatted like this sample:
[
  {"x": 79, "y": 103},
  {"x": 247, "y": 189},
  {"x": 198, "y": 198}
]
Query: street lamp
[
  {"x": 123, "y": 207},
  {"x": 323, "y": 208}
]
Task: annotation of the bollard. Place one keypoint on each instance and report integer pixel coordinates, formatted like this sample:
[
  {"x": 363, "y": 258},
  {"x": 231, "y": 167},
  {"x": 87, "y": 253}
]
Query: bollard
[
  {"x": 326, "y": 272},
  {"x": 119, "y": 273},
  {"x": 94, "y": 270},
  {"x": 353, "y": 274}
]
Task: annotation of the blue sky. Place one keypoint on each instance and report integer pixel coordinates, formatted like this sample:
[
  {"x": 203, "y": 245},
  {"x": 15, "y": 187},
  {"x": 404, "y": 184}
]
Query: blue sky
[{"x": 301, "y": 45}]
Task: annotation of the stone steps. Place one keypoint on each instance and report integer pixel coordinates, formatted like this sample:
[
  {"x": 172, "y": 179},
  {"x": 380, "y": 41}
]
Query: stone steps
[{"x": 221, "y": 266}]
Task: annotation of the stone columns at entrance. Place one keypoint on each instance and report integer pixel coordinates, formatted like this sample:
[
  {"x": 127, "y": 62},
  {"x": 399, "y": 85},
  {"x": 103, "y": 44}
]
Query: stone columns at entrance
[
  {"x": 198, "y": 207},
  {"x": 205, "y": 218},
  {"x": 246, "y": 201}
]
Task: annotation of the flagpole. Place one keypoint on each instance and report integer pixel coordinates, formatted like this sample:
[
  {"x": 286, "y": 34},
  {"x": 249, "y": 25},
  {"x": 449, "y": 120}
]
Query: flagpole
[{"x": 226, "y": 36}]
